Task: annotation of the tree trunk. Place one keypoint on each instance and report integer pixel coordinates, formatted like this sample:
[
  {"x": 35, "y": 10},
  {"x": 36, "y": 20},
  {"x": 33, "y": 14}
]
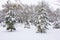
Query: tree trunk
[{"x": 11, "y": 30}]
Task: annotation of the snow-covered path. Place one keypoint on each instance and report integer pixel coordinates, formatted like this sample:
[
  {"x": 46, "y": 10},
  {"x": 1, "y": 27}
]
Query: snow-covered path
[{"x": 29, "y": 34}]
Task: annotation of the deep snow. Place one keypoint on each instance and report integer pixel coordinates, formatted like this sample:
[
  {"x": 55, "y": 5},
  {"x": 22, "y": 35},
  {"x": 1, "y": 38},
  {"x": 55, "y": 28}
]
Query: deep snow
[{"x": 22, "y": 33}]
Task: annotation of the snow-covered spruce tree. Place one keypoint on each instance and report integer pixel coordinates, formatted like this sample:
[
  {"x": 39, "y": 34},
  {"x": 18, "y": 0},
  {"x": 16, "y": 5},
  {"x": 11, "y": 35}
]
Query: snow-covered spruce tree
[
  {"x": 10, "y": 20},
  {"x": 16, "y": 8},
  {"x": 42, "y": 21},
  {"x": 42, "y": 18}
]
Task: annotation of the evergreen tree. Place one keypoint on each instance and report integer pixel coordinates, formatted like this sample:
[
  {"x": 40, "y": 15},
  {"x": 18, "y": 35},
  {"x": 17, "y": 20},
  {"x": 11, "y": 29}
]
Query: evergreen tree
[
  {"x": 10, "y": 20},
  {"x": 42, "y": 21}
]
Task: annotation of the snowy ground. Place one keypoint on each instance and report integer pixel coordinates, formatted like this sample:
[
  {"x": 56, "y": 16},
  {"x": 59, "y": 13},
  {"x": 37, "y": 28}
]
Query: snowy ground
[{"x": 29, "y": 34}]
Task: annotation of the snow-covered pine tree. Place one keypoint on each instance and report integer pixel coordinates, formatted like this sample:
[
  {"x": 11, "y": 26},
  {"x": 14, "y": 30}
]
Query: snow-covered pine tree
[
  {"x": 42, "y": 21},
  {"x": 10, "y": 20}
]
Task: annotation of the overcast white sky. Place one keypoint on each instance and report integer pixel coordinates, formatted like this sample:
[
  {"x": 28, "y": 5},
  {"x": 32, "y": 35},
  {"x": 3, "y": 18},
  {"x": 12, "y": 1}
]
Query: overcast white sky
[{"x": 52, "y": 3}]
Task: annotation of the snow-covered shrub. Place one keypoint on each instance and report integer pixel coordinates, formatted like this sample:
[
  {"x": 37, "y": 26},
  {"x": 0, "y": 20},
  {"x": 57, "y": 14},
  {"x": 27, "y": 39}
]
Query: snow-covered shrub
[
  {"x": 27, "y": 25},
  {"x": 56, "y": 25}
]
